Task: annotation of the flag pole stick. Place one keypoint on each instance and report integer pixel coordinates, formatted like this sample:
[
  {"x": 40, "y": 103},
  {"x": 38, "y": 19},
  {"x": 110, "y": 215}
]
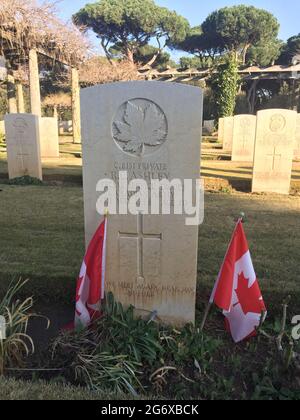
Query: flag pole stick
[
  {"x": 207, "y": 310},
  {"x": 208, "y": 307}
]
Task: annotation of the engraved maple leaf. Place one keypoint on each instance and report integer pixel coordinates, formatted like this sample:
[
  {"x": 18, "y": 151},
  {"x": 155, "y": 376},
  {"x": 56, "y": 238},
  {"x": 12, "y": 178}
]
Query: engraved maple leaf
[{"x": 140, "y": 127}]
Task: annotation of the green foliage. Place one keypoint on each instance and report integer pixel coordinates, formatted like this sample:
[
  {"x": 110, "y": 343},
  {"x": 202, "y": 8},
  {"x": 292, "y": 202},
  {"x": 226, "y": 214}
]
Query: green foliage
[
  {"x": 265, "y": 53},
  {"x": 290, "y": 50},
  {"x": 130, "y": 24},
  {"x": 237, "y": 28},
  {"x": 25, "y": 180},
  {"x": 3, "y": 103},
  {"x": 225, "y": 84},
  {"x": 121, "y": 351},
  {"x": 17, "y": 343}
]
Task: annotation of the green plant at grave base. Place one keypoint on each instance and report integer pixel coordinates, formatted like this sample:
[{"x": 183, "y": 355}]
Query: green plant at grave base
[
  {"x": 25, "y": 180},
  {"x": 225, "y": 84},
  {"x": 124, "y": 353},
  {"x": 17, "y": 344}
]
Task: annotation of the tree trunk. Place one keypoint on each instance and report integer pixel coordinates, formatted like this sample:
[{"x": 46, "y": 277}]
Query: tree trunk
[
  {"x": 11, "y": 94},
  {"x": 20, "y": 95},
  {"x": 76, "y": 106},
  {"x": 34, "y": 80},
  {"x": 251, "y": 97}
]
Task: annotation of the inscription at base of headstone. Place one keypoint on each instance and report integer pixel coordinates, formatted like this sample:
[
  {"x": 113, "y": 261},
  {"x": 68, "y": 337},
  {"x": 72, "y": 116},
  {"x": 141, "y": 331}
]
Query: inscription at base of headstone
[
  {"x": 152, "y": 130},
  {"x": 23, "y": 145},
  {"x": 274, "y": 148},
  {"x": 244, "y": 131}
]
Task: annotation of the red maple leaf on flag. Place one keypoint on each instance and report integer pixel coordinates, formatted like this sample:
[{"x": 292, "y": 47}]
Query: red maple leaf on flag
[{"x": 250, "y": 299}]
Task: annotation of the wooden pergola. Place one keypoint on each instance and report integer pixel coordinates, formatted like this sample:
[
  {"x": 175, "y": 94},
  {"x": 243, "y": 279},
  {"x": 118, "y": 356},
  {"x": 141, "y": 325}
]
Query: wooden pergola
[
  {"x": 251, "y": 74},
  {"x": 29, "y": 31}
]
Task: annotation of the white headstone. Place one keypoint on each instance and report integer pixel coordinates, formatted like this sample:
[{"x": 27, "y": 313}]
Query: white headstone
[
  {"x": 23, "y": 145},
  {"x": 152, "y": 131},
  {"x": 297, "y": 148},
  {"x": 209, "y": 127},
  {"x": 221, "y": 131},
  {"x": 228, "y": 134},
  {"x": 243, "y": 138},
  {"x": 65, "y": 127},
  {"x": 274, "y": 148},
  {"x": 49, "y": 138}
]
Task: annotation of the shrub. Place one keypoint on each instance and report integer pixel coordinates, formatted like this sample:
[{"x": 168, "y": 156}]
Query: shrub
[{"x": 17, "y": 343}]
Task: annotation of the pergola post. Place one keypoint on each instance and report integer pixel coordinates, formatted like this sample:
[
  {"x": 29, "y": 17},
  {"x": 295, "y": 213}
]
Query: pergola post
[
  {"x": 20, "y": 97},
  {"x": 34, "y": 80},
  {"x": 76, "y": 106},
  {"x": 11, "y": 94},
  {"x": 55, "y": 111}
]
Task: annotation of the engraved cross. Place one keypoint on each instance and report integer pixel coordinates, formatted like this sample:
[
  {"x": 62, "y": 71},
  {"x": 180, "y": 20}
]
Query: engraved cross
[
  {"x": 276, "y": 157},
  {"x": 141, "y": 237}
]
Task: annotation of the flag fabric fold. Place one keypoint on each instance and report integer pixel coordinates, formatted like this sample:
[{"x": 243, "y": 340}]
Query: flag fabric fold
[
  {"x": 91, "y": 280},
  {"x": 237, "y": 291}
]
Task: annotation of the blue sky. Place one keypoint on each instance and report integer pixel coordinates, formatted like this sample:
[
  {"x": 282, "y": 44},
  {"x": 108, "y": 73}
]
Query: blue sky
[{"x": 287, "y": 11}]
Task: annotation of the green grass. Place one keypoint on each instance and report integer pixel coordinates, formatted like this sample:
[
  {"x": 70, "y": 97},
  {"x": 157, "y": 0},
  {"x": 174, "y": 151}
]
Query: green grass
[
  {"x": 42, "y": 238},
  {"x": 11, "y": 389}
]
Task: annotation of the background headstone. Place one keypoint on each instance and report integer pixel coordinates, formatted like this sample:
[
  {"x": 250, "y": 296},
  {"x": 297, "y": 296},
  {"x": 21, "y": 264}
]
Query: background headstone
[
  {"x": 228, "y": 134},
  {"x": 297, "y": 149},
  {"x": 23, "y": 145},
  {"x": 65, "y": 127},
  {"x": 151, "y": 260},
  {"x": 208, "y": 127},
  {"x": 243, "y": 138},
  {"x": 274, "y": 148},
  {"x": 221, "y": 130},
  {"x": 49, "y": 138}
]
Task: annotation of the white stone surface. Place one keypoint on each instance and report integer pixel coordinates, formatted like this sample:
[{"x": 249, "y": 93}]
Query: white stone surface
[
  {"x": 49, "y": 138},
  {"x": 274, "y": 149},
  {"x": 228, "y": 134},
  {"x": 221, "y": 131},
  {"x": 244, "y": 131},
  {"x": 23, "y": 145},
  {"x": 297, "y": 147},
  {"x": 151, "y": 260}
]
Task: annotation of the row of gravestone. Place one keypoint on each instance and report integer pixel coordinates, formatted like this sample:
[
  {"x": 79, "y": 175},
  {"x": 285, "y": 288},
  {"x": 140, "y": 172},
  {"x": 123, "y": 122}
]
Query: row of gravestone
[
  {"x": 28, "y": 140},
  {"x": 270, "y": 141},
  {"x": 151, "y": 130}
]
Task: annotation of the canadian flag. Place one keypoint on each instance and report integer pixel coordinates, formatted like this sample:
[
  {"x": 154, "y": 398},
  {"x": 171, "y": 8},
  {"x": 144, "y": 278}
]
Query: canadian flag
[
  {"x": 90, "y": 283},
  {"x": 237, "y": 291}
]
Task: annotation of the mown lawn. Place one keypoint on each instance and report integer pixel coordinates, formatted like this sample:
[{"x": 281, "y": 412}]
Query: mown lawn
[
  {"x": 11, "y": 389},
  {"x": 42, "y": 238}
]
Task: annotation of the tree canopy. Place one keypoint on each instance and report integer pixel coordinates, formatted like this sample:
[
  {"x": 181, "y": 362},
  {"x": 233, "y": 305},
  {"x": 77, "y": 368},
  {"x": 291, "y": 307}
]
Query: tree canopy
[
  {"x": 235, "y": 29},
  {"x": 131, "y": 24},
  {"x": 290, "y": 50}
]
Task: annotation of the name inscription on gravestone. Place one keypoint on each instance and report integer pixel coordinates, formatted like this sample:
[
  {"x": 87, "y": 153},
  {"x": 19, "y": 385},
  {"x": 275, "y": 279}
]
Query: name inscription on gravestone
[{"x": 151, "y": 131}]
